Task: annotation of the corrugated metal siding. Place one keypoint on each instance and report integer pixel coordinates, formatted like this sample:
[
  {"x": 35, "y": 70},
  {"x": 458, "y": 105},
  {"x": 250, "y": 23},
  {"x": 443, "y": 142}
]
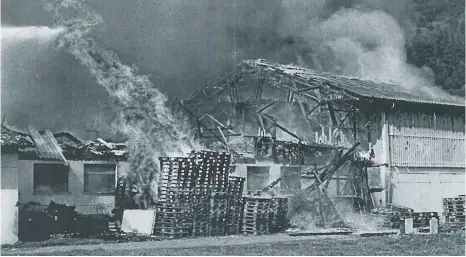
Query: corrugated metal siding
[
  {"x": 47, "y": 146},
  {"x": 426, "y": 140}
]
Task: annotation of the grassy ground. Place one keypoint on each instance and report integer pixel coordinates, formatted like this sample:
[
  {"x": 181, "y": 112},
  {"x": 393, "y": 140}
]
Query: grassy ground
[{"x": 443, "y": 244}]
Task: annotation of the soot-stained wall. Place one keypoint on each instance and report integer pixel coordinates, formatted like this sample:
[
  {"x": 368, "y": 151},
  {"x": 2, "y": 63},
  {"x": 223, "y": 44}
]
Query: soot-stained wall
[{"x": 85, "y": 202}]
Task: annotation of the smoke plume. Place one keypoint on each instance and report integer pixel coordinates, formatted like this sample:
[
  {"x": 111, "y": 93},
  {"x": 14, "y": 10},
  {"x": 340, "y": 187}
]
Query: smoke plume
[
  {"x": 184, "y": 44},
  {"x": 356, "y": 38},
  {"x": 151, "y": 127}
]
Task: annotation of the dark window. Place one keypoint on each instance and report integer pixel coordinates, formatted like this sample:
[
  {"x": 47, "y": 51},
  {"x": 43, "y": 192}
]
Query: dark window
[
  {"x": 258, "y": 178},
  {"x": 50, "y": 178},
  {"x": 99, "y": 178}
]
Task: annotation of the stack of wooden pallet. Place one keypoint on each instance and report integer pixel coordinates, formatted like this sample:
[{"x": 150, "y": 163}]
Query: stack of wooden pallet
[
  {"x": 218, "y": 167},
  {"x": 454, "y": 211},
  {"x": 256, "y": 215},
  {"x": 235, "y": 205},
  {"x": 391, "y": 215},
  {"x": 278, "y": 211},
  {"x": 193, "y": 195},
  {"x": 218, "y": 214},
  {"x": 174, "y": 218},
  {"x": 420, "y": 219},
  {"x": 201, "y": 196},
  {"x": 201, "y": 211}
]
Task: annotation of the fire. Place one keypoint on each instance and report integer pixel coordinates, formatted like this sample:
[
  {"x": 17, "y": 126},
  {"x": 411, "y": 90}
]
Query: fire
[{"x": 152, "y": 128}]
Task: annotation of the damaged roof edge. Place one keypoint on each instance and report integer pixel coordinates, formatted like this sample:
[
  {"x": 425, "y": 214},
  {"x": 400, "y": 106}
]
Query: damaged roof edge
[
  {"x": 47, "y": 146},
  {"x": 364, "y": 88}
]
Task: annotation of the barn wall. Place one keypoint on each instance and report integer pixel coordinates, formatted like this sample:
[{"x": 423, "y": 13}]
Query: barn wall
[
  {"x": 85, "y": 202},
  {"x": 426, "y": 139},
  {"x": 423, "y": 188},
  {"x": 9, "y": 191}
]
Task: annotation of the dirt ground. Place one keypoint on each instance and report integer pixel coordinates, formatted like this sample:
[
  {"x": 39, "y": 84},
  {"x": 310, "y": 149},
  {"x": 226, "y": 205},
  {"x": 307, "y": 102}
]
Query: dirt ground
[{"x": 443, "y": 244}]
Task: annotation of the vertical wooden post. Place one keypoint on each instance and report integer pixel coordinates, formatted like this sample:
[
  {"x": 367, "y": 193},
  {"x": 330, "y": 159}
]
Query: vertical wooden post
[{"x": 385, "y": 153}]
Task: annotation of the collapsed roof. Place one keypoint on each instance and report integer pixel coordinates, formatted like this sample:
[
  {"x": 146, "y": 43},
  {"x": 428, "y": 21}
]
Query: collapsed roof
[
  {"x": 63, "y": 146},
  {"x": 262, "y": 99},
  {"x": 310, "y": 79}
]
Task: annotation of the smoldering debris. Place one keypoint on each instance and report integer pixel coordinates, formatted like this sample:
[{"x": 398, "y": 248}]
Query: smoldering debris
[{"x": 38, "y": 222}]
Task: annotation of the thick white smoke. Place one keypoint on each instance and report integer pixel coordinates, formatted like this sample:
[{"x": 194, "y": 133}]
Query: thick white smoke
[
  {"x": 371, "y": 45},
  {"x": 360, "y": 38}
]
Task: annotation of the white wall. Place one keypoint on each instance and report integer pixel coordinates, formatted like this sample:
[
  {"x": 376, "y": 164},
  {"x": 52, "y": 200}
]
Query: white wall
[
  {"x": 241, "y": 171},
  {"x": 9, "y": 191},
  {"x": 85, "y": 202},
  {"x": 423, "y": 189}
]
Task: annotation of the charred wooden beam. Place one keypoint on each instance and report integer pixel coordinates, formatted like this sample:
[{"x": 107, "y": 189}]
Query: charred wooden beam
[
  {"x": 309, "y": 87},
  {"x": 261, "y": 123},
  {"x": 259, "y": 90},
  {"x": 215, "y": 120},
  {"x": 271, "y": 185},
  {"x": 223, "y": 129},
  {"x": 282, "y": 128},
  {"x": 265, "y": 107},
  {"x": 332, "y": 113},
  {"x": 233, "y": 95},
  {"x": 355, "y": 128},
  {"x": 290, "y": 95},
  {"x": 312, "y": 110},
  {"x": 312, "y": 97},
  {"x": 223, "y": 135},
  {"x": 202, "y": 125},
  {"x": 226, "y": 135}
]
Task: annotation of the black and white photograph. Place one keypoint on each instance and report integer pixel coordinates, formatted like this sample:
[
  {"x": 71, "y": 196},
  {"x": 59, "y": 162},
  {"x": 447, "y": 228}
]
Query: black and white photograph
[{"x": 232, "y": 127}]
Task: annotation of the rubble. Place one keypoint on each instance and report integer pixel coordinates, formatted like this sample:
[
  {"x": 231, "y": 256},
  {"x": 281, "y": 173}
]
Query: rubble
[{"x": 60, "y": 146}]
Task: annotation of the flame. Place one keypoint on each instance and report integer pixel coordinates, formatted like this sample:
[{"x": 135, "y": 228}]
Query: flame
[{"x": 153, "y": 130}]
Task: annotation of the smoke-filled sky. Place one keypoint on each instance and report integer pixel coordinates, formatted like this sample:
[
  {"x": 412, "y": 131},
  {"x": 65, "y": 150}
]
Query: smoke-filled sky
[{"x": 184, "y": 44}]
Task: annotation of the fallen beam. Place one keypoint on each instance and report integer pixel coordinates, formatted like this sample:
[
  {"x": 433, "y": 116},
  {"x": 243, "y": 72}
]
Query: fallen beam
[
  {"x": 385, "y": 233},
  {"x": 322, "y": 233}
]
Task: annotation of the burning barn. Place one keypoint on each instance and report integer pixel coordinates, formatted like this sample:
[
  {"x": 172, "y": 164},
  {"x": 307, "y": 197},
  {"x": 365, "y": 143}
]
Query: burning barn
[
  {"x": 42, "y": 167},
  {"x": 284, "y": 123}
]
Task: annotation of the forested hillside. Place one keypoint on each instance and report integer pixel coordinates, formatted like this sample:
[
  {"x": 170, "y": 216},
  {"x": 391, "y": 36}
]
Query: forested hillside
[{"x": 439, "y": 41}]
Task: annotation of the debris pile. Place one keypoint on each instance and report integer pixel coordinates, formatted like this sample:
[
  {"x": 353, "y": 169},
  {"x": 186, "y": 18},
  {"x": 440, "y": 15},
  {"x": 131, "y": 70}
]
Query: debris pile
[
  {"x": 278, "y": 211},
  {"x": 38, "y": 222},
  {"x": 312, "y": 206},
  {"x": 13, "y": 140}
]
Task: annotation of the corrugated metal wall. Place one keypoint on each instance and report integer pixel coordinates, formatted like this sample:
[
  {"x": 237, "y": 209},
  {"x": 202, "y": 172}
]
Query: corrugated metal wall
[{"x": 426, "y": 140}]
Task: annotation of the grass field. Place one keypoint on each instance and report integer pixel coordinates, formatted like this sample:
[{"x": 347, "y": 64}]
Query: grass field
[{"x": 443, "y": 244}]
